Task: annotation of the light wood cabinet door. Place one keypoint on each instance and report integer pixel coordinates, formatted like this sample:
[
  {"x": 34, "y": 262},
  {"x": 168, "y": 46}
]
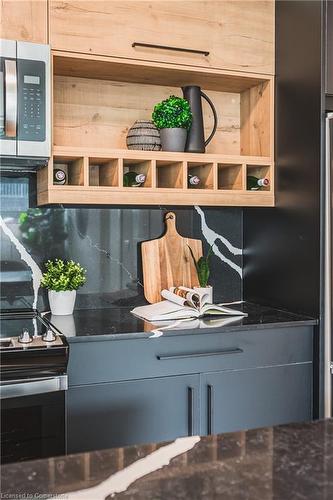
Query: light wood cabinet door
[
  {"x": 24, "y": 20},
  {"x": 227, "y": 34}
]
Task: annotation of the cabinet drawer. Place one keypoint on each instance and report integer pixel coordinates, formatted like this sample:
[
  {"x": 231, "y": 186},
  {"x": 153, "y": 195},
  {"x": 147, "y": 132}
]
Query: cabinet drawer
[
  {"x": 220, "y": 34},
  {"x": 115, "y": 360}
]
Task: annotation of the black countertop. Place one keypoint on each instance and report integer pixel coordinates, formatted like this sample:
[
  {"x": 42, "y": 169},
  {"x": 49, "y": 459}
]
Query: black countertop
[
  {"x": 279, "y": 463},
  {"x": 119, "y": 323}
]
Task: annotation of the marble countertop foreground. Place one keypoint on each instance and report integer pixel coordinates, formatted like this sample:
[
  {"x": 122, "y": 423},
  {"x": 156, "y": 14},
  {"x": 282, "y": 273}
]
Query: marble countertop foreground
[
  {"x": 279, "y": 463},
  {"x": 119, "y": 323}
]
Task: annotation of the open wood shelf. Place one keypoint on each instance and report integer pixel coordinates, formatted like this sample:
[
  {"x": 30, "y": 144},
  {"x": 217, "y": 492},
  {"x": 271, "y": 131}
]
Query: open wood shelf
[
  {"x": 95, "y": 176},
  {"x": 96, "y": 99}
]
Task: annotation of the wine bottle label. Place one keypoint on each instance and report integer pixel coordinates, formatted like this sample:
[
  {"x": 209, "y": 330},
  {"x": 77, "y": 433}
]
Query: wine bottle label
[
  {"x": 194, "y": 180},
  {"x": 263, "y": 182},
  {"x": 140, "y": 178},
  {"x": 59, "y": 175}
]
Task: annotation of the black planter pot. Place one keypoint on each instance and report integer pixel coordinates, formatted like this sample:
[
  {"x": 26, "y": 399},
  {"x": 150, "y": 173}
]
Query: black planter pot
[{"x": 173, "y": 139}]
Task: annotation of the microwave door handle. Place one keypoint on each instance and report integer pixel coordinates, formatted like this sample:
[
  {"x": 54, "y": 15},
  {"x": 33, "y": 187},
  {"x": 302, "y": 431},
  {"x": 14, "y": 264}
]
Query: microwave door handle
[{"x": 10, "y": 98}]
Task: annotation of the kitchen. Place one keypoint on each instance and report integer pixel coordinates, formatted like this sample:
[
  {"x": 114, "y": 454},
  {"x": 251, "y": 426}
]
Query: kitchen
[{"x": 100, "y": 401}]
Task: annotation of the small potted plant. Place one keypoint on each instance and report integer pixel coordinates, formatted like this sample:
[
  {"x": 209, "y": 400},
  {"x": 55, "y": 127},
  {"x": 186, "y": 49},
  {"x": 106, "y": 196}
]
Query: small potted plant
[
  {"x": 173, "y": 117},
  {"x": 62, "y": 279},
  {"x": 203, "y": 272}
]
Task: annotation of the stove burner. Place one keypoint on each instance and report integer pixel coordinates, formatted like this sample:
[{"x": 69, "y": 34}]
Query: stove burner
[
  {"x": 25, "y": 337},
  {"x": 49, "y": 336}
]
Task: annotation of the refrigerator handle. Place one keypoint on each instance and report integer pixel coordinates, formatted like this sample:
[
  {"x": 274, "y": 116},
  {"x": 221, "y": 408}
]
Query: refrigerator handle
[
  {"x": 328, "y": 268},
  {"x": 10, "y": 98}
]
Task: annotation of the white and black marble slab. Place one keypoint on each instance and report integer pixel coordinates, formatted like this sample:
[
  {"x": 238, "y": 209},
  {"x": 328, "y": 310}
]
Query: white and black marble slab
[
  {"x": 106, "y": 241},
  {"x": 118, "y": 323},
  {"x": 289, "y": 462}
]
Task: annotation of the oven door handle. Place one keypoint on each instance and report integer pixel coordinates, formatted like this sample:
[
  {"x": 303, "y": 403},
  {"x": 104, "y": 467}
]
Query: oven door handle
[{"x": 29, "y": 387}]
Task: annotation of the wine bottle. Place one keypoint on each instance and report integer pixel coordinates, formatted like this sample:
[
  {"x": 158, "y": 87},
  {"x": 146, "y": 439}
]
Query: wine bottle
[
  {"x": 255, "y": 183},
  {"x": 193, "y": 180},
  {"x": 132, "y": 179},
  {"x": 59, "y": 176}
]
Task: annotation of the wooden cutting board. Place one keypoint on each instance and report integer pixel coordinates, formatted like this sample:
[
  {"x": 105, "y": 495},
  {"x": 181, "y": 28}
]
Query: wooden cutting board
[{"x": 167, "y": 261}]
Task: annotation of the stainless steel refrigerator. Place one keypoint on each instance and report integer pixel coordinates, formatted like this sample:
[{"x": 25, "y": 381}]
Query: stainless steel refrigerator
[{"x": 328, "y": 264}]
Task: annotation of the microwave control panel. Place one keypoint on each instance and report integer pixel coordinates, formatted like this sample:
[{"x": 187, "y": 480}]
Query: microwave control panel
[{"x": 31, "y": 100}]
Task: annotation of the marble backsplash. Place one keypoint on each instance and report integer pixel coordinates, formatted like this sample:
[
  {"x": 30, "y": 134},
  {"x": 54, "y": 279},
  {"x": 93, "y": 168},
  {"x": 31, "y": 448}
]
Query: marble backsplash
[{"x": 106, "y": 241}]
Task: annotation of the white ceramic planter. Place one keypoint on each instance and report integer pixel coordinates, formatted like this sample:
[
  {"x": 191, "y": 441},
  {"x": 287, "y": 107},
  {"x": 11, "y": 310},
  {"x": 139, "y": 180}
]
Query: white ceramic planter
[
  {"x": 62, "y": 303},
  {"x": 205, "y": 290}
]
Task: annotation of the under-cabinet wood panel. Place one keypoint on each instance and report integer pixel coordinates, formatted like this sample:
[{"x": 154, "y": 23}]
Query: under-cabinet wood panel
[
  {"x": 153, "y": 72},
  {"x": 237, "y": 35},
  {"x": 24, "y": 20}
]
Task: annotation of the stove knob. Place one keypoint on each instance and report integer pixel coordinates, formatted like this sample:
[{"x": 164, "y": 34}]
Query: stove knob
[
  {"x": 49, "y": 336},
  {"x": 25, "y": 337}
]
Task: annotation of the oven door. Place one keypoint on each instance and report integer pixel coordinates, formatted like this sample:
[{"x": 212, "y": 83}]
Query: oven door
[{"x": 33, "y": 426}]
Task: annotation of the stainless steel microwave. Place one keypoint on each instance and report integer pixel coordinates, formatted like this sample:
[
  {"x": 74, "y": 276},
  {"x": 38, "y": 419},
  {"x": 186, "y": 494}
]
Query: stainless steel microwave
[{"x": 25, "y": 105}]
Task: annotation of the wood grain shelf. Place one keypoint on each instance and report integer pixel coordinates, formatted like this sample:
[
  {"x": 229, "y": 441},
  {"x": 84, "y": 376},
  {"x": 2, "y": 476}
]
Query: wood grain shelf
[
  {"x": 153, "y": 73},
  {"x": 95, "y": 177}
]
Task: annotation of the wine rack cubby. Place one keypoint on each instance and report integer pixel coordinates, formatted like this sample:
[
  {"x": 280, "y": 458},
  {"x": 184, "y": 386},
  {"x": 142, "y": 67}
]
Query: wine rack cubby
[
  {"x": 260, "y": 171},
  {"x": 103, "y": 172},
  {"x": 96, "y": 177}
]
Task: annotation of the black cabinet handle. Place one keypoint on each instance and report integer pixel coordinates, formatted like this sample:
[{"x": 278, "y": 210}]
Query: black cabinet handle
[
  {"x": 210, "y": 409},
  {"x": 167, "y": 47},
  {"x": 166, "y": 357},
  {"x": 190, "y": 406}
]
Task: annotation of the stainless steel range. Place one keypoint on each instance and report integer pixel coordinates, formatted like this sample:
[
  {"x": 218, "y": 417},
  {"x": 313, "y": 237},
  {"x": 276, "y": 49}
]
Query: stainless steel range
[{"x": 34, "y": 359}]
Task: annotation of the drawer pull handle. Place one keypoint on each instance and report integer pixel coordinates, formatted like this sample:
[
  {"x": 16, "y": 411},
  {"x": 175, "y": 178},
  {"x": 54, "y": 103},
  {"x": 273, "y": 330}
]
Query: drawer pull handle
[
  {"x": 210, "y": 403},
  {"x": 165, "y": 357},
  {"x": 190, "y": 403},
  {"x": 167, "y": 47}
]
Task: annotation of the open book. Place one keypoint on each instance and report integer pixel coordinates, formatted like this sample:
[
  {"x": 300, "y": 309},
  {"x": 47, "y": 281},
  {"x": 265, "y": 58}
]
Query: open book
[{"x": 181, "y": 303}]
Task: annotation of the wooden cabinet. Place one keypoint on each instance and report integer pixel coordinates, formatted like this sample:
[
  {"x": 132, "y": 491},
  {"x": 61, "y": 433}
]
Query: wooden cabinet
[
  {"x": 245, "y": 399},
  {"x": 132, "y": 412},
  {"x": 24, "y": 20},
  {"x": 217, "y": 34}
]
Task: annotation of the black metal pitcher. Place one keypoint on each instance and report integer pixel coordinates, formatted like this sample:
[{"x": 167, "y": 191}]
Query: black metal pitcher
[{"x": 195, "y": 137}]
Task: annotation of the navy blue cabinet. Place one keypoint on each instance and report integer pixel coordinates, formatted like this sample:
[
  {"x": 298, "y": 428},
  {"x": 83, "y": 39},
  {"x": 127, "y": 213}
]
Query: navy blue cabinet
[
  {"x": 148, "y": 390},
  {"x": 132, "y": 412},
  {"x": 245, "y": 399}
]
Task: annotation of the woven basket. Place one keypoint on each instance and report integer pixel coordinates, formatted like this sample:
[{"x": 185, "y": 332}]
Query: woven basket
[{"x": 143, "y": 135}]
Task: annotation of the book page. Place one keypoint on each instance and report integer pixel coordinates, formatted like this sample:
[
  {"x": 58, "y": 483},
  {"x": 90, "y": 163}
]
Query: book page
[
  {"x": 222, "y": 310},
  {"x": 191, "y": 298},
  {"x": 164, "y": 310}
]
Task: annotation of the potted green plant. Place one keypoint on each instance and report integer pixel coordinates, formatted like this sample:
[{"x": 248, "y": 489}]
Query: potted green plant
[
  {"x": 62, "y": 279},
  {"x": 203, "y": 273},
  {"x": 173, "y": 117}
]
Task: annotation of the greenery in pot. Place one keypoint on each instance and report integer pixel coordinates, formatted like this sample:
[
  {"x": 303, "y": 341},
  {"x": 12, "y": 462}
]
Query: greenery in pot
[
  {"x": 174, "y": 112},
  {"x": 202, "y": 267},
  {"x": 63, "y": 276}
]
